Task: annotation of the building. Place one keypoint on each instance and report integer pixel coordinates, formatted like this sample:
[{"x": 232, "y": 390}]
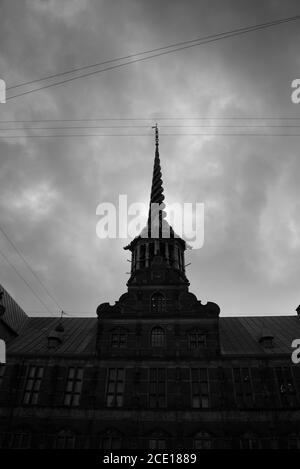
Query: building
[{"x": 158, "y": 369}]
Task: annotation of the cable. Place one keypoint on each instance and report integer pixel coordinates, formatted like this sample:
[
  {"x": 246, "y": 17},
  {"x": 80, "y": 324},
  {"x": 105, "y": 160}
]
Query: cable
[
  {"x": 210, "y": 126},
  {"x": 214, "y": 38},
  {"x": 72, "y": 314},
  {"x": 150, "y": 119},
  {"x": 18, "y": 273},
  {"x": 204, "y": 38},
  {"x": 148, "y": 135},
  {"x": 30, "y": 268}
]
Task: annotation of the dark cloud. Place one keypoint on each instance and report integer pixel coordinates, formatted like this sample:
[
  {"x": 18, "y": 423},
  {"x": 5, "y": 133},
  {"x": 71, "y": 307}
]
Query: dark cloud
[{"x": 50, "y": 188}]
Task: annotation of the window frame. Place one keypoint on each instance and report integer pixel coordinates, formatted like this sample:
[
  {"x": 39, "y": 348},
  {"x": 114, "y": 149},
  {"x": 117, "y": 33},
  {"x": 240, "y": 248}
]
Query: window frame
[
  {"x": 244, "y": 398},
  {"x": 2, "y": 373},
  {"x": 157, "y": 439},
  {"x": 199, "y": 345},
  {"x": 200, "y": 440},
  {"x": 200, "y": 388},
  {"x": 73, "y": 386},
  {"x": 158, "y": 303},
  {"x": 114, "y": 439},
  {"x": 286, "y": 388},
  {"x": 118, "y": 338},
  {"x": 115, "y": 387},
  {"x": 32, "y": 386},
  {"x": 158, "y": 337},
  {"x": 157, "y": 387},
  {"x": 67, "y": 437}
]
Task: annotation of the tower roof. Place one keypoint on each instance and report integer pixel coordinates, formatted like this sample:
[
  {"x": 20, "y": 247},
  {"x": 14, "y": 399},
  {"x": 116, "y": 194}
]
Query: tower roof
[
  {"x": 157, "y": 190},
  {"x": 157, "y": 226}
]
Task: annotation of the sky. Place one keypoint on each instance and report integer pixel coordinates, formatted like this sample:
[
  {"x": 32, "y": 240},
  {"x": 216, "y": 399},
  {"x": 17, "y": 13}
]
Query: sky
[{"x": 50, "y": 187}]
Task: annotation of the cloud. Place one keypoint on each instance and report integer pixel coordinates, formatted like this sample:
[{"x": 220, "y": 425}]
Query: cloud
[{"x": 50, "y": 187}]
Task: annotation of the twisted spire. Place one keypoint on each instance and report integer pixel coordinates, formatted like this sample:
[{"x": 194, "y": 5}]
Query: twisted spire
[
  {"x": 157, "y": 191},
  {"x": 157, "y": 206}
]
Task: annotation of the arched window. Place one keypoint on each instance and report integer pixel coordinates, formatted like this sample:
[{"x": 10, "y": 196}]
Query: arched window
[
  {"x": 202, "y": 440},
  {"x": 249, "y": 441},
  {"x": 158, "y": 303},
  {"x": 20, "y": 440},
  {"x": 157, "y": 337},
  {"x": 111, "y": 439},
  {"x": 65, "y": 440},
  {"x": 157, "y": 440}
]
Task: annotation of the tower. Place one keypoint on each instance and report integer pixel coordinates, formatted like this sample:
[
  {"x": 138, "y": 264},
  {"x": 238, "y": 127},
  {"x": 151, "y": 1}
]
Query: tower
[
  {"x": 157, "y": 254},
  {"x": 158, "y": 289}
]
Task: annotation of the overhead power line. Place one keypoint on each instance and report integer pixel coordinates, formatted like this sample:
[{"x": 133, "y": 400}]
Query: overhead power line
[
  {"x": 29, "y": 267},
  {"x": 203, "y": 126},
  {"x": 165, "y": 50},
  {"x": 181, "y": 118},
  {"x": 228, "y": 134},
  {"x": 170, "y": 46},
  {"x": 25, "y": 281}
]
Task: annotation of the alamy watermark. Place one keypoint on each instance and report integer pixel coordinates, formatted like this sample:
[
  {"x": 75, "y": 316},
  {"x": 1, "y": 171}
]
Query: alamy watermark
[
  {"x": 2, "y": 92},
  {"x": 296, "y": 353},
  {"x": 295, "y": 96},
  {"x": 187, "y": 221}
]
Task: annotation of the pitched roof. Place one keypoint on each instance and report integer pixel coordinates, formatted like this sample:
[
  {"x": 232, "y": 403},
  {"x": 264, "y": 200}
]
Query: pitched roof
[
  {"x": 78, "y": 338},
  {"x": 14, "y": 316},
  {"x": 238, "y": 336}
]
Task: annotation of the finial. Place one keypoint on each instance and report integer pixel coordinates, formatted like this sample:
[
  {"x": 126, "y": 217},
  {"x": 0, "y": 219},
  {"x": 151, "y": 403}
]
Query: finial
[{"x": 156, "y": 137}]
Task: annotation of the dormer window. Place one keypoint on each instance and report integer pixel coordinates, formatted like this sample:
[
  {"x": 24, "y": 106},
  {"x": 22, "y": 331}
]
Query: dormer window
[
  {"x": 267, "y": 342},
  {"x": 266, "y": 339},
  {"x": 158, "y": 303},
  {"x": 55, "y": 338}
]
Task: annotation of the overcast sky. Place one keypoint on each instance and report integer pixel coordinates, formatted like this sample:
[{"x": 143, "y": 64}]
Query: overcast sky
[{"x": 50, "y": 187}]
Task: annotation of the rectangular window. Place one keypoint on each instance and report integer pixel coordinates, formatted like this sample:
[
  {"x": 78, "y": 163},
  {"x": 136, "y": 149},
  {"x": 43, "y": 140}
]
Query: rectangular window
[
  {"x": 157, "y": 387},
  {"x": 157, "y": 443},
  {"x": 73, "y": 386},
  {"x": 111, "y": 442},
  {"x": 118, "y": 339},
  {"x": 33, "y": 384},
  {"x": 65, "y": 440},
  {"x": 20, "y": 441},
  {"x": 200, "y": 388},
  {"x": 202, "y": 443},
  {"x": 249, "y": 443},
  {"x": 197, "y": 340},
  {"x": 286, "y": 387},
  {"x": 243, "y": 387},
  {"x": 2, "y": 371},
  {"x": 115, "y": 387}
]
